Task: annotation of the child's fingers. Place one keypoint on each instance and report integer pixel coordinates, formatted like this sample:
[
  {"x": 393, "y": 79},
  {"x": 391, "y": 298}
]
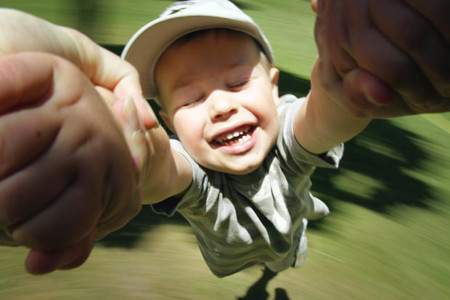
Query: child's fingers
[
  {"x": 358, "y": 91},
  {"x": 129, "y": 88},
  {"x": 135, "y": 133},
  {"x": 324, "y": 67},
  {"x": 133, "y": 126},
  {"x": 333, "y": 19}
]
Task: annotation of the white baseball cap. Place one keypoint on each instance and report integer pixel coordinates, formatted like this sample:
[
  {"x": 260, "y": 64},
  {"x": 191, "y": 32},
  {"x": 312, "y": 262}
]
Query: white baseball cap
[{"x": 147, "y": 45}]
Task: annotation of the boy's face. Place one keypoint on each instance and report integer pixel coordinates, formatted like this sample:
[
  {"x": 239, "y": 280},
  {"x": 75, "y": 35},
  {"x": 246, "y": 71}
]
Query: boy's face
[{"x": 220, "y": 100}]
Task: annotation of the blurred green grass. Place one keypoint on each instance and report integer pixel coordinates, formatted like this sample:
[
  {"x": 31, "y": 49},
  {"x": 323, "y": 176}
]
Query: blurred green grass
[{"x": 387, "y": 236}]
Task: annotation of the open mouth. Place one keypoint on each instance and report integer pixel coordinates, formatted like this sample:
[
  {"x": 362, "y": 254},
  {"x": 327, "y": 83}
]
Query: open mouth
[{"x": 238, "y": 136}]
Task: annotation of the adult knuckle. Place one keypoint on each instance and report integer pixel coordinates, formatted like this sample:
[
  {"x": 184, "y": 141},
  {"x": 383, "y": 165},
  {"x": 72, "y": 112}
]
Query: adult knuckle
[
  {"x": 405, "y": 76},
  {"x": 412, "y": 39}
]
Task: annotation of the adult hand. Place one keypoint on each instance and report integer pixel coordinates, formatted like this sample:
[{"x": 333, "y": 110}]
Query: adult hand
[
  {"x": 67, "y": 176},
  {"x": 385, "y": 58},
  {"x": 24, "y": 32}
]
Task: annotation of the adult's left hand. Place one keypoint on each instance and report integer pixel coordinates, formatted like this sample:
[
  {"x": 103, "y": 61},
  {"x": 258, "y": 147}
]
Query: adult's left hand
[{"x": 385, "y": 58}]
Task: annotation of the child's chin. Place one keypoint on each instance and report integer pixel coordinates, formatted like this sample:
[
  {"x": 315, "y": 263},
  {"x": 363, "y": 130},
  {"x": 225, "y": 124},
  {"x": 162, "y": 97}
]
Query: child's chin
[{"x": 244, "y": 169}]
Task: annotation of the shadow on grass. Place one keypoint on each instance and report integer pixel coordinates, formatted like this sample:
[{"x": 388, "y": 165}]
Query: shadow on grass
[
  {"x": 382, "y": 159},
  {"x": 259, "y": 289},
  {"x": 380, "y": 162}
]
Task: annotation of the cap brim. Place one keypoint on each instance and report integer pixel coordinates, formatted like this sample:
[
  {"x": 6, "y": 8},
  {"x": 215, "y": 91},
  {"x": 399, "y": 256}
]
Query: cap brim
[{"x": 149, "y": 43}]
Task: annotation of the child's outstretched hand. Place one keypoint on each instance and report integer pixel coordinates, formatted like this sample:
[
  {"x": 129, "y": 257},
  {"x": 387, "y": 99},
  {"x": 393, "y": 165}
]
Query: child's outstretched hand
[
  {"x": 66, "y": 174},
  {"x": 385, "y": 58}
]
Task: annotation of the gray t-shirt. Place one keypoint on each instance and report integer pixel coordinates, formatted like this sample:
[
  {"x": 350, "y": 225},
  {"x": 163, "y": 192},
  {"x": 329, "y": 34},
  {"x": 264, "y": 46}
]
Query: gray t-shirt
[{"x": 242, "y": 220}]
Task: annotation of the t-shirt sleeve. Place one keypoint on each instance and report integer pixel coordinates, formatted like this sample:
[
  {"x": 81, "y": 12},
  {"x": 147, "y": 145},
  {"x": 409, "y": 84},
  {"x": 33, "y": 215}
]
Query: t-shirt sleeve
[
  {"x": 291, "y": 150},
  {"x": 299, "y": 164}
]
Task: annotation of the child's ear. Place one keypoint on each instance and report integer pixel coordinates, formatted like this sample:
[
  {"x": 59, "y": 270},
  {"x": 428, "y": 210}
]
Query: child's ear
[
  {"x": 274, "y": 77},
  {"x": 166, "y": 120}
]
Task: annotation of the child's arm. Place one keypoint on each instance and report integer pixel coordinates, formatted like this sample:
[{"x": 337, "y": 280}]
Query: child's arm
[
  {"x": 322, "y": 122},
  {"x": 167, "y": 173},
  {"x": 360, "y": 74}
]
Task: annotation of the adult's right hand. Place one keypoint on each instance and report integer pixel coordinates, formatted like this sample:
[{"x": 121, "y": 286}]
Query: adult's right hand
[{"x": 67, "y": 176}]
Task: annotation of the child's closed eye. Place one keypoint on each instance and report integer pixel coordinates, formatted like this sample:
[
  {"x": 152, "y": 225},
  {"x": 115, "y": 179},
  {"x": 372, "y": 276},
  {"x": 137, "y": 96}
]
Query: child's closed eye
[
  {"x": 188, "y": 96},
  {"x": 192, "y": 99},
  {"x": 238, "y": 84}
]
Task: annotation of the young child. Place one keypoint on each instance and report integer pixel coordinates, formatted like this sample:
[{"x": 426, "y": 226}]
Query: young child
[
  {"x": 244, "y": 185},
  {"x": 239, "y": 167}
]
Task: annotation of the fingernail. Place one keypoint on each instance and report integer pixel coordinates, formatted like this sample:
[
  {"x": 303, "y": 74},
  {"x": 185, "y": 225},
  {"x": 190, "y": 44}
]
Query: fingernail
[
  {"x": 130, "y": 113},
  {"x": 152, "y": 114}
]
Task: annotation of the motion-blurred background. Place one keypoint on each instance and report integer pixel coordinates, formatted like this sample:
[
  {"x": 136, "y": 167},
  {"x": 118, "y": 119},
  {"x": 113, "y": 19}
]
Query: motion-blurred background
[{"x": 388, "y": 234}]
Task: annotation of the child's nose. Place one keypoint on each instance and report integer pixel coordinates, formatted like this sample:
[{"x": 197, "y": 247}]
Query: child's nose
[{"x": 222, "y": 106}]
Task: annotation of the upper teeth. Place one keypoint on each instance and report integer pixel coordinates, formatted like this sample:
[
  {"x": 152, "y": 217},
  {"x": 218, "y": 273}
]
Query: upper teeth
[
  {"x": 230, "y": 136},
  {"x": 234, "y": 135}
]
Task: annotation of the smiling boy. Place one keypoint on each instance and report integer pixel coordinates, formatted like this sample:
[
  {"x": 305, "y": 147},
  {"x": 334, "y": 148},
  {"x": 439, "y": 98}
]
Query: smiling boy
[
  {"x": 226, "y": 95},
  {"x": 239, "y": 168},
  {"x": 241, "y": 174}
]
